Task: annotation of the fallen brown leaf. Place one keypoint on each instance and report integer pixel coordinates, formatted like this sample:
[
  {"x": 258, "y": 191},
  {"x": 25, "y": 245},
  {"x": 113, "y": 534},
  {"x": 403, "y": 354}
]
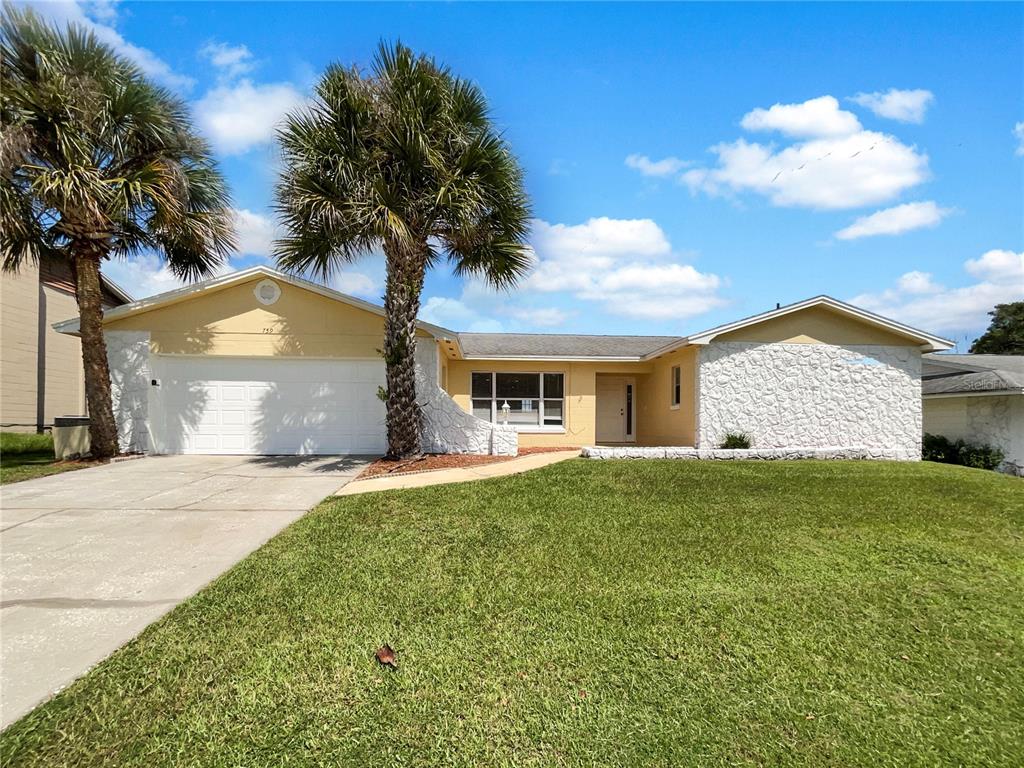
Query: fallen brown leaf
[{"x": 386, "y": 656}]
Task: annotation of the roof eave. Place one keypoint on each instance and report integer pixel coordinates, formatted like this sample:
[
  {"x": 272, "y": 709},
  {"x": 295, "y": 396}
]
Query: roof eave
[
  {"x": 559, "y": 358},
  {"x": 973, "y": 393},
  {"x": 117, "y": 290}
]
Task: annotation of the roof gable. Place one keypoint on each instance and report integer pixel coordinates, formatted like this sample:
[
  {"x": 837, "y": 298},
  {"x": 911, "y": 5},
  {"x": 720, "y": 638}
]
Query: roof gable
[
  {"x": 218, "y": 284},
  {"x": 925, "y": 340}
]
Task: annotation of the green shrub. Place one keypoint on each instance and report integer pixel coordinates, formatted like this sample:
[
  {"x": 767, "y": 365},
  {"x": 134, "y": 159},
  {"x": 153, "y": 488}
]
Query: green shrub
[
  {"x": 736, "y": 440},
  {"x": 938, "y": 448},
  {"x": 946, "y": 451},
  {"x": 980, "y": 456}
]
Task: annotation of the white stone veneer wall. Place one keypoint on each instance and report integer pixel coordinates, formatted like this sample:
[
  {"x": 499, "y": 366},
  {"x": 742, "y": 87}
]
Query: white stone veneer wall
[
  {"x": 811, "y": 396},
  {"x": 128, "y": 357},
  {"x": 999, "y": 421},
  {"x": 446, "y": 427}
]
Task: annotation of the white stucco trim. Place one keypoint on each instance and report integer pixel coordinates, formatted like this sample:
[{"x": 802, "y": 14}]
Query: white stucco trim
[
  {"x": 446, "y": 428},
  {"x": 743, "y": 454},
  {"x": 555, "y": 359},
  {"x": 128, "y": 358}
]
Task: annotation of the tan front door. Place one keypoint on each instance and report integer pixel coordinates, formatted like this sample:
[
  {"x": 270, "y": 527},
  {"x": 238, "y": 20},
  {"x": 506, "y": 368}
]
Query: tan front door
[{"x": 616, "y": 409}]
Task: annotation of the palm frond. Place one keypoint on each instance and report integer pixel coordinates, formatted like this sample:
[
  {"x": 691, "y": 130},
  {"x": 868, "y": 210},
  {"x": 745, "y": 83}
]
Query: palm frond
[
  {"x": 93, "y": 152},
  {"x": 404, "y": 158}
]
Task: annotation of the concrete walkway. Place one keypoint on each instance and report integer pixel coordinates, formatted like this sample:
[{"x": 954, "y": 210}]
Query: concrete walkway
[
  {"x": 91, "y": 557},
  {"x": 462, "y": 475}
]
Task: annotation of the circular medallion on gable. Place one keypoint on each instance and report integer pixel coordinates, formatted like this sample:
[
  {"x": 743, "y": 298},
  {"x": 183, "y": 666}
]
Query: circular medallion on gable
[{"x": 267, "y": 292}]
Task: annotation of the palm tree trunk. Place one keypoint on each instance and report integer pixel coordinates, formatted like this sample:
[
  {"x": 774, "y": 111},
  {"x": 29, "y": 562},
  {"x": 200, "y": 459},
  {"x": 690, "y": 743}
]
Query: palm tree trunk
[
  {"x": 405, "y": 272},
  {"x": 102, "y": 428}
]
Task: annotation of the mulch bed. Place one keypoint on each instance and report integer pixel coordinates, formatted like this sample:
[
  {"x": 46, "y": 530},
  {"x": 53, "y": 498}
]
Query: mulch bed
[{"x": 434, "y": 461}]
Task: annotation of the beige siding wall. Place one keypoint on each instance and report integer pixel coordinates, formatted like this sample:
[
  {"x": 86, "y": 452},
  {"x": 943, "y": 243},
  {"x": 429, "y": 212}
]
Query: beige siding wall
[
  {"x": 19, "y": 331},
  {"x": 947, "y": 416},
  {"x": 23, "y": 310},
  {"x": 65, "y": 379}
]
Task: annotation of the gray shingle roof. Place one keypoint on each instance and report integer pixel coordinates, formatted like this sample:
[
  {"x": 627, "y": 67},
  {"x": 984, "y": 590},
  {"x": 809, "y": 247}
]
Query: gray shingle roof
[
  {"x": 982, "y": 381},
  {"x": 558, "y": 345},
  {"x": 945, "y": 374},
  {"x": 992, "y": 362}
]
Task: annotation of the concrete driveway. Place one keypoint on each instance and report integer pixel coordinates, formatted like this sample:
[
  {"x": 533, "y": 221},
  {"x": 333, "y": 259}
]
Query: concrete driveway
[{"x": 91, "y": 557}]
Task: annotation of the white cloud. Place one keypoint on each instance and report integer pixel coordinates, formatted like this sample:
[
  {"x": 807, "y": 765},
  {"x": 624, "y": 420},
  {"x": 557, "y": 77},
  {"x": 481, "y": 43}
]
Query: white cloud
[
  {"x": 356, "y": 284},
  {"x": 603, "y": 237},
  {"x": 255, "y": 233},
  {"x": 667, "y": 166},
  {"x": 919, "y": 301},
  {"x": 814, "y": 118},
  {"x": 865, "y": 168},
  {"x": 103, "y": 10},
  {"x": 232, "y": 60},
  {"x": 241, "y": 116},
  {"x": 998, "y": 266},
  {"x": 835, "y": 164},
  {"x": 1018, "y": 132},
  {"x": 623, "y": 267},
  {"x": 457, "y": 315},
  {"x": 895, "y": 221},
  {"x": 904, "y": 106},
  {"x": 539, "y": 317},
  {"x": 98, "y": 17},
  {"x": 147, "y": 275},
  {"x": 627, "y": 265},
  {"x": 917, "y": 282}
]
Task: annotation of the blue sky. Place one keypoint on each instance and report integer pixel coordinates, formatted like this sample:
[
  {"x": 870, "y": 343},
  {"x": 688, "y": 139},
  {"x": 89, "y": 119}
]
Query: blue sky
[{"x": 688, "y": 164}]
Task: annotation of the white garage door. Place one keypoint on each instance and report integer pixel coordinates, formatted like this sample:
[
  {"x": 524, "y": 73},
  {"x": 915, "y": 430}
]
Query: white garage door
[{"x": 266, "y": 406}]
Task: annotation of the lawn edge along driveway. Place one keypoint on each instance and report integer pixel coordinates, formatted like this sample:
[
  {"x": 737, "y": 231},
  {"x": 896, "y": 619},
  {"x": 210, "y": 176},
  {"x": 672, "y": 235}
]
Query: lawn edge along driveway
[{"x": 591, "y": 613}]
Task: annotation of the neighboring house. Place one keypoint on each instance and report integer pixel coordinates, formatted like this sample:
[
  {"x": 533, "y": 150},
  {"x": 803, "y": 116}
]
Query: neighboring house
[
  {"x": 977, "y": 399},
  {"x": 40, "y": 369},
  {"x": 264, "y": 363}
]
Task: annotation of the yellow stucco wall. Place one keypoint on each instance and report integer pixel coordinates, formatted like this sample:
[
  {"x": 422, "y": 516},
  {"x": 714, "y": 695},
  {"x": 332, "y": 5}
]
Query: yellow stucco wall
[
  {"x": 817, "y": 325},
  {"x": 580, "y": 393},
  {"x": 658, "y": 422},
  {"x": 231, "y": 322}
]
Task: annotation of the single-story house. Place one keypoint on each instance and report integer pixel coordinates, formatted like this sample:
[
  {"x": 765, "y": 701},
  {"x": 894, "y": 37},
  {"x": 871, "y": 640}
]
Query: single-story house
[
  {"x": 978, "y": 399},
  {"x": 41, "y": 373},
  {"x": 260, "y": 362}
]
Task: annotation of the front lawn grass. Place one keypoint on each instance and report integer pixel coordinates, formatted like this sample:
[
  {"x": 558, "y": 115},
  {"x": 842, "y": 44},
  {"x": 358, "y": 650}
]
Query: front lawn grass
[
  {"x": 24, "y": 456},
  {"x": 619, "y": 613}
]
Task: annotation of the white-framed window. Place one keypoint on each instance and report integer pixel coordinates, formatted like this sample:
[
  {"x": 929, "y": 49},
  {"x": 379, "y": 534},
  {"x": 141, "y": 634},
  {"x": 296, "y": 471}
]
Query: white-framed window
[
  {"x": 535, "y": 400},
  {"x": 677, "y": 386}
]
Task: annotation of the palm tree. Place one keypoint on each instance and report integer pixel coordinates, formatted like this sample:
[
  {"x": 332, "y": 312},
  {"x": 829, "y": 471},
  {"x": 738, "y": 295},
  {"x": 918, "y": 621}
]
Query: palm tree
[
  {"x": 98, "y": 163},
  {"x": 404, "y": 159}
]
